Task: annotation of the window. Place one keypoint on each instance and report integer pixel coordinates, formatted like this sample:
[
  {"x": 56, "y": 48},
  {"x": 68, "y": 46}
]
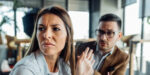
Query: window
[{"x": 80, "y": 21}]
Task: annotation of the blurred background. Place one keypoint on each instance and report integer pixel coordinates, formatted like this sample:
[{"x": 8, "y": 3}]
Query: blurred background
[{"x": 17, "y": 21}]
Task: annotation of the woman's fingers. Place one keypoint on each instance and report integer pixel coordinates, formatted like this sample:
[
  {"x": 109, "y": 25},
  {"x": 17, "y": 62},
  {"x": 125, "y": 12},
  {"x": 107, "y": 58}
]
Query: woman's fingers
[
  {"x": 93, "y": 61},
  {"x": 90, "y": 54},
  {"x": 86, "y": 51},
  {"x": 82, "y": 56}
]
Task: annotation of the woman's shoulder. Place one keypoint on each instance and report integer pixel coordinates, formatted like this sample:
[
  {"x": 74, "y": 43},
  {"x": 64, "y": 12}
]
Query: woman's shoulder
[
  {"x": 28, "y": 63},
  {"x": 22, "y": 70},
  {"x": 28, "y": 60}
]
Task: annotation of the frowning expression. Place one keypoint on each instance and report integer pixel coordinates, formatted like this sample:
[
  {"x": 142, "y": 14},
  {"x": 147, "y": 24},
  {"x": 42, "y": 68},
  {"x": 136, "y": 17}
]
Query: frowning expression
[
  {"x": 51, "y": 34},
  {"x": 109, "y": 34}
]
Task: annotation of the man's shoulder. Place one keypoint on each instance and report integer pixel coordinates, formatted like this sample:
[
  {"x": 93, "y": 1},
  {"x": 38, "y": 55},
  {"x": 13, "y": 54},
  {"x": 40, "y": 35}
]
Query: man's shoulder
[
  {"x": 122, "y": 52},
  {"x": 86, "y": 44},
  {"x": 81, "y": 46},
  {"x": 122, "y": 55}
]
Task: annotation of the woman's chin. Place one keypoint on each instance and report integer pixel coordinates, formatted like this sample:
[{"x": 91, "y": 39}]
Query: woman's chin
[{"x": 49, "y": 52}]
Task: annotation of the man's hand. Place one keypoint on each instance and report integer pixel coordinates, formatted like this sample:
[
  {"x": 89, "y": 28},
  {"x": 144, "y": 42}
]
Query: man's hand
[{"x": 85, "y": 63}]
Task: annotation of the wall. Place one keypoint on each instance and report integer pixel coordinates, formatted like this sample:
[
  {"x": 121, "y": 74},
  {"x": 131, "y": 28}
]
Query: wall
[{"x": 111, "y": 6}]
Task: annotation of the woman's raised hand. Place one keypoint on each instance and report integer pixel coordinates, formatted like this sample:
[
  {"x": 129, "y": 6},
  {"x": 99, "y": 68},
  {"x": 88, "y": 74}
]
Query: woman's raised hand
[{"x": 85, "y": 63}]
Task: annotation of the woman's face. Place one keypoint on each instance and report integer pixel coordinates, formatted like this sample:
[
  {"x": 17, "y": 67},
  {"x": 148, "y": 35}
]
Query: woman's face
[{"x": 51, "y": 34}]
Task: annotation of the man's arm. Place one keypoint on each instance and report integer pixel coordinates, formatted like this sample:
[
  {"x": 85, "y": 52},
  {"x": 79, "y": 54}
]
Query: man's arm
[
  {"x": 122, "y": 69},
  {"x": 119, "y": 71},
  {"x": 97, "y": 73}
]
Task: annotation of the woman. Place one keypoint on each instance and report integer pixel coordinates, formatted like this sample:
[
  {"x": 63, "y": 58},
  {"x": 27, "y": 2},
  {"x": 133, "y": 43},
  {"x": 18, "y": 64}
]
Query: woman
[{"x": 51, "y": 51}]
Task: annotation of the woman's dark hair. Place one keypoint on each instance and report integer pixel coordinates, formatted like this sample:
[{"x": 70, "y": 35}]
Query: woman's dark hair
[
  {"x": 111, "y": 17},
  {"x": 68, "y": 53}
]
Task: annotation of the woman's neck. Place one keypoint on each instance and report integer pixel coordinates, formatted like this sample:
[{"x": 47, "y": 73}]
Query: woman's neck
[{"x": 52, "y": 63}]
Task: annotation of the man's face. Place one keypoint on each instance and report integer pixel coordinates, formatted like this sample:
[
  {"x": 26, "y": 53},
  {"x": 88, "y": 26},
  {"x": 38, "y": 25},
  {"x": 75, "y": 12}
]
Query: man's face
[{"x": 108, "y": 35}]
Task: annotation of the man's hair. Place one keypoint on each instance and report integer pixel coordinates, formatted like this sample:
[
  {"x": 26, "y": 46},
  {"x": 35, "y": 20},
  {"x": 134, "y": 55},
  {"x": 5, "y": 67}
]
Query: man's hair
[{"x": 111, "y": 17}]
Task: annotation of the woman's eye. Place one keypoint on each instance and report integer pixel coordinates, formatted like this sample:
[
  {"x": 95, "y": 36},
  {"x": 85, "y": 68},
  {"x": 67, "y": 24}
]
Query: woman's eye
[
  {"x": 41, "y": 28},
  {"x": 56, "y": 29}
]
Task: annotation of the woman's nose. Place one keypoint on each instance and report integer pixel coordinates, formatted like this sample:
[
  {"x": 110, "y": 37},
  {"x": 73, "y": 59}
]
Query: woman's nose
[{"x": 48, "y": 34}]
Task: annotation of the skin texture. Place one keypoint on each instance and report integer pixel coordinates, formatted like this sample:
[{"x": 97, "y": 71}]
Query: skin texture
[
  {"x": 51, "y": 36},
  {"x": 106, "y": 43}
]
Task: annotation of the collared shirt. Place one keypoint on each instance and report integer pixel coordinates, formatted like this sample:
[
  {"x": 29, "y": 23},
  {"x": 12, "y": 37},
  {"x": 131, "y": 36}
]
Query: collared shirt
[
  {"x": 99, "y": 57},
  {"x": 35, "y": 64}
]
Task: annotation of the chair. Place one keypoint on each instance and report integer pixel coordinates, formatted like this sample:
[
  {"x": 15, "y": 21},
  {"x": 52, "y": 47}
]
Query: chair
[
  {"x": 126, "y": 39},
  {"x": 11, "y": 42},
  {"x": 15, "y": 44}
]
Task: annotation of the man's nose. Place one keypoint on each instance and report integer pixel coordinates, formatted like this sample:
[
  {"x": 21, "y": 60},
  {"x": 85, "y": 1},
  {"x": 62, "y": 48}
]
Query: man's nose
[
  {"x": 48, "y": 34},
  {"x": 103, "y": 37}
]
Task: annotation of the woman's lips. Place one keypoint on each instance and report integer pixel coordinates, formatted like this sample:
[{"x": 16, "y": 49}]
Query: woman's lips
[{"x": 48, "y": 44}]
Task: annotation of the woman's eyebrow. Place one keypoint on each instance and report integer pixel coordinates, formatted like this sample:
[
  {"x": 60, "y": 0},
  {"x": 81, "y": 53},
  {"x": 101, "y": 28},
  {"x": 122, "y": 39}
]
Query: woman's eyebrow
[
  {"x": 55, "y": 24},
  {"x": 41, "y": 24}
]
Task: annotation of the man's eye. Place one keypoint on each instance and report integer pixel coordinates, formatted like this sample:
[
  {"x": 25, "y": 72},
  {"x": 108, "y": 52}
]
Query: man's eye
[
  {"x": 56, "y": 29},
  {"x": 101, "y": 32},
  {"x": 109, "y": 33},
  {"x": 41, "y": 28}
]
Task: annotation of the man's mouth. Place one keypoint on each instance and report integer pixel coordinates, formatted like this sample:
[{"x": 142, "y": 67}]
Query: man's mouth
[{"x": 102, "y": 43}]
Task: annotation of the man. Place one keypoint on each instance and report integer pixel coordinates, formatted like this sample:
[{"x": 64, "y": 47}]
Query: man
[{"x": 109, "y": 59}]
